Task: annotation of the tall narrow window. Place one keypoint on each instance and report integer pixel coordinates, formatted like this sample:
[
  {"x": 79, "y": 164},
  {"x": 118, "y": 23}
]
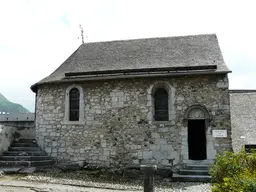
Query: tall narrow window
[
  {"x": 74, "y": 98},
  {"x": 161, "y": 105}
]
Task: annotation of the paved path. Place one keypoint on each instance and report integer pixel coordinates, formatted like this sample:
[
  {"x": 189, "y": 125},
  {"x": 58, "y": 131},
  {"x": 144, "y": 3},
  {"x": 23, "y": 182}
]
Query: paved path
[{"x": 24, "y": 186}]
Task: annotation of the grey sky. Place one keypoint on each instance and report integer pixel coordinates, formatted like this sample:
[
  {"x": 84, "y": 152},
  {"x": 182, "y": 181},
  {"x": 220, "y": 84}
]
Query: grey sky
[{"x": 37, "y": 36}]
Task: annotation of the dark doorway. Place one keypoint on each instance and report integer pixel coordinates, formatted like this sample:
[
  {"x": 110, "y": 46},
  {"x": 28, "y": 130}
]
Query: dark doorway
[{"x": 196, "y": 140}]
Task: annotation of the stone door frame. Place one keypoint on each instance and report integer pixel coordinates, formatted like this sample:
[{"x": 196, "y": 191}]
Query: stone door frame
[{"x": 197, "y": 112}]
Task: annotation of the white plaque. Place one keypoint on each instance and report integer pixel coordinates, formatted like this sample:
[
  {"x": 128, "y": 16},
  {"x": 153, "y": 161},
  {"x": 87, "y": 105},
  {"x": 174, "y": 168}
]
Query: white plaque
[{"x": 219, "y": 133}]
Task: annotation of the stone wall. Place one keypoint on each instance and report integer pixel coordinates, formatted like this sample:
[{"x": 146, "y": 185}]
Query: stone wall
[
  {"x": 15, "y": 130},
  {"x": 6, "y": 137},
  {"x": 118, "y": 127},
  {"x": 243, "y": 118}
]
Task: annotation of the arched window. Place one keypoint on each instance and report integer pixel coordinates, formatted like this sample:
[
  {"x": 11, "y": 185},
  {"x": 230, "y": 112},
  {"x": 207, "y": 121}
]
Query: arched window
[
  {"x": 74, "y": 99},
  {"x": 74, "y": 105},
  {"x": 161, "y": 105}
]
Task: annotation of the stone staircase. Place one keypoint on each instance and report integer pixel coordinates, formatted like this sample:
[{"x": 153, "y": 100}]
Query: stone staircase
[
  {"x": 193, "y": 173},
  {"x": 25, "y": 153}
]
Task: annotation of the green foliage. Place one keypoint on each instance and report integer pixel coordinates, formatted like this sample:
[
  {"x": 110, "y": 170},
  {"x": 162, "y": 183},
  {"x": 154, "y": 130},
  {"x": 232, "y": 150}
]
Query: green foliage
[
  {"x": 234, "y": 172},
  {"x": 7, "y": 106}
]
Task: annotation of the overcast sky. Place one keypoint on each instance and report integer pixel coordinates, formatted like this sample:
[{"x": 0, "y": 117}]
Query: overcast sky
[{"x": 37, "y": 36}]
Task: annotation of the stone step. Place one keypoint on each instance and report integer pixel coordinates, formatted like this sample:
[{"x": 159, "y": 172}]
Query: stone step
[
  {"x": 191, "y": 178},
  {"x": 25, "y": 149},
  {"x": 24, "y": 153},
  {"x": 193, "y": 172},
  {"x": 26, "y": 163},
  {"x": 22, "y": 169},
  {"x": 10, "y": 170},
  {"x": 25, "y": 141},
  {"x": 26, "y": 158},
  {"x": 24, "y": 145},
  {"x": 197, "y": 167}
]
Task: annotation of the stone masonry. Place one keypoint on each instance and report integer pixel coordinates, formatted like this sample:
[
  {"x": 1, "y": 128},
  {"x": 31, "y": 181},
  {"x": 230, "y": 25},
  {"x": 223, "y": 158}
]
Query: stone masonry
[
  {"x": 15, "y": 130},
  {"x": 243, "y": 118},
  {"x": 118, "y": 127}
]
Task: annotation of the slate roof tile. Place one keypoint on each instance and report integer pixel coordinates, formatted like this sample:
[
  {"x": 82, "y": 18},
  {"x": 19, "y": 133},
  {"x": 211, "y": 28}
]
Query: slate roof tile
[{"x": 182, "y": 51}]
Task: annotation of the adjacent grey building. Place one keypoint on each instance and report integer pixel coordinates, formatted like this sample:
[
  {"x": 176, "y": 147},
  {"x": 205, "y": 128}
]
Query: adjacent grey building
[
  {"x": 243, "y": 118},
  {"x": 123, "y": 103}
]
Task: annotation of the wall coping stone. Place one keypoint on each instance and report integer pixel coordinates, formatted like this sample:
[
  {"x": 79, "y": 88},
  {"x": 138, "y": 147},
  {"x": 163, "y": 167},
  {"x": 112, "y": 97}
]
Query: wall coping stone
[{"x": 14, "y": 117}]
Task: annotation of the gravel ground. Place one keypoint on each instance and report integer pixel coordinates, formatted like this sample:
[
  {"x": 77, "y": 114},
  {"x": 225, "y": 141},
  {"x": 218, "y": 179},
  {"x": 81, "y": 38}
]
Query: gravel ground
[
  {"x": 25, "y": 186},
  {"x": 81, "y": 182},
  {"x": 121, "y": 186}
]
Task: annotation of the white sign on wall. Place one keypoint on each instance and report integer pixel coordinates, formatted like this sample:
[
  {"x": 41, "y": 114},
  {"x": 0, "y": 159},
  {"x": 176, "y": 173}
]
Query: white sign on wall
[{"x": 219, "y": 133}]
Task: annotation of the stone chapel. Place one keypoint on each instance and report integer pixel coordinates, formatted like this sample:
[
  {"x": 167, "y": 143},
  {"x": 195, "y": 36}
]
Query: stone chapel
[{"x": 125, "y": 103}]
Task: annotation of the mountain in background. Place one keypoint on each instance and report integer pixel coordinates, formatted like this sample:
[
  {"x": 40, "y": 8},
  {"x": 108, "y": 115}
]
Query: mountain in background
[{"x": 9, "y": 107}]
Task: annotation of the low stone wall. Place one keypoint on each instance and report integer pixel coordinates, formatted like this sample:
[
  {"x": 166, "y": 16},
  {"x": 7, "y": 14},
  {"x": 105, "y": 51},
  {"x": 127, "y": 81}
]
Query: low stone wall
[
  {"x": 21, "y": 130},
  {"x": 15, "y": 126},
  {"x": 6, "y": 137}
]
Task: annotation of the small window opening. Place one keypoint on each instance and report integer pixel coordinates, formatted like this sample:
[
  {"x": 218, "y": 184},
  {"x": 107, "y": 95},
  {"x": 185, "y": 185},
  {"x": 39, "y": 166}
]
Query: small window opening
[
  {"x": 74, "y": 98},
  {"x": 161, "y": 105}
]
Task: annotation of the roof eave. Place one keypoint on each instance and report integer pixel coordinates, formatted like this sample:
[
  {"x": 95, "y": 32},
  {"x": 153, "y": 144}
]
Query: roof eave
[
  {"x": 242, "y": 90},
  {"x": 35, "y": 86}
]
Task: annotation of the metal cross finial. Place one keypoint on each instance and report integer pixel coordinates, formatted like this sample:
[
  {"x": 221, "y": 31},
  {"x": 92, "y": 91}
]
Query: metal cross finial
[{"x": 82, "y": 33}]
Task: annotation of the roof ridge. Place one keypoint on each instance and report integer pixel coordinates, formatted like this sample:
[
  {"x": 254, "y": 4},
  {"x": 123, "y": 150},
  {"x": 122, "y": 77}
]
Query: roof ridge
[{"x": 149, "y": 38}]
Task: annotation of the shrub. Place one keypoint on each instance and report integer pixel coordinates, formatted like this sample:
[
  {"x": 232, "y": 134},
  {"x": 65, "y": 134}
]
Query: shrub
[{"x": 234, "y": 172}]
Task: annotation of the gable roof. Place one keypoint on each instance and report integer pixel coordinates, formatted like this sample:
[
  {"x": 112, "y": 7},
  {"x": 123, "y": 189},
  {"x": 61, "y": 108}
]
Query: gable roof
[{"x": 152, "y": 53}]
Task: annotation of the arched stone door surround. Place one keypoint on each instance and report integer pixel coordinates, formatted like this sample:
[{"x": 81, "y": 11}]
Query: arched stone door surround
[{"x": 197, "y": 112}]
